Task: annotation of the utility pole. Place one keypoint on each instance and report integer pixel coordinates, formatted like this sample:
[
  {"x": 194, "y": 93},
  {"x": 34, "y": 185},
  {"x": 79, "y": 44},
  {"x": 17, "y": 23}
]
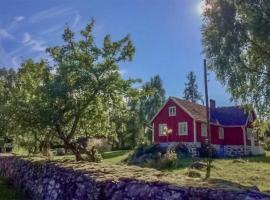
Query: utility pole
[
  {"x": 209, "y": 160},
  {"x": 206, "y": 102}
]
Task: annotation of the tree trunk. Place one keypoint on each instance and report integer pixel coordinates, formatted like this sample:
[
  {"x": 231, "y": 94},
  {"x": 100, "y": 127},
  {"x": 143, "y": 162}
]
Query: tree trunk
[
  {"x": 68, "y": 144},
  {"x": 74, "y": 150},
  {"x": 44, "y": 148}
]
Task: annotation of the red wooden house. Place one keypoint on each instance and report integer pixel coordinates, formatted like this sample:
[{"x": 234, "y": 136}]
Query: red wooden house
[{"x": 181, "y": 121}]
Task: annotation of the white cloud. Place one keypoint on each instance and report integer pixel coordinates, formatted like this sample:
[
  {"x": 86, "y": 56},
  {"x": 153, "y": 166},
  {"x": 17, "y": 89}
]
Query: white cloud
[
  {"x": 53, "y": 29},
  {"x": 35, "y": 44},
  {"x": 5, "y": 34},
  {"x": 76, "y": 20},
  {"x": 49, "y": 13},
  {"x": 123, "y": 71},
  {"x": 15, "y": 61},
  {"x": 26, "y": 38},
  {"x": 19, "y": 18}
]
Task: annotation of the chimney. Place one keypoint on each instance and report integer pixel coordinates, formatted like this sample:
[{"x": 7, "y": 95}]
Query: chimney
[{"x": 212, "y": 104}]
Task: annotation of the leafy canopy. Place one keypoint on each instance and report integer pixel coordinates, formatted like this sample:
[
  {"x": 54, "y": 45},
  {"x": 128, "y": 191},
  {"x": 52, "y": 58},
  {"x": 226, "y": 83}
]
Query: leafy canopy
[{"x": 236, "y": 40}]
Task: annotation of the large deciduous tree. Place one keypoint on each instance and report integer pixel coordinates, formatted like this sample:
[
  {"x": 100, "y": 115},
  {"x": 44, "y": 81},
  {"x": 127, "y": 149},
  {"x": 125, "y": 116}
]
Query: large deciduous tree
[
  {"x": 153, "y": 99},
  {"x": 30, "y": 114},
  {"x": 236, "y": 40},
  {"x": 84, "y": 74},
  {"x": 7, "y": 82},
  {"x": 150, "y": 99},
  {"x": 191, "y": 92}
]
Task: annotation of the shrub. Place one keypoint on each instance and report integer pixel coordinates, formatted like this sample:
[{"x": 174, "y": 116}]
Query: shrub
[
  {"x": 266, "y": 144},
  {"x": 206, "y": 150},
  {"x": 98, "y": 157},
  {"x": 60, "y": 151},
  {"x": 168, "y": 160},
  {"x": 86, "y": 143},
  {"x": 193, "y": 173},
  {"x": 181, "y": 149},
  {"x": 151, "y": 149}
]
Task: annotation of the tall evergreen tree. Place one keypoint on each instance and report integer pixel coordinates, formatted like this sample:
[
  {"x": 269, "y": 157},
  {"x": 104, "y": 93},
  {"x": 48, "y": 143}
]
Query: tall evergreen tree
[{"x": 191, "y": 92}]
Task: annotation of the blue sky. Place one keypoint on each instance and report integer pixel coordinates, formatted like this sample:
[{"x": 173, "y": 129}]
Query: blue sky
[{"x": 166, "y": 34}]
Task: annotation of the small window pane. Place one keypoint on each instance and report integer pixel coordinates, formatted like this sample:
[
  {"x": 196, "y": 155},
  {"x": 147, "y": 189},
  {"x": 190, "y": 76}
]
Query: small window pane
[
  {"x": 162, "y": 129},
  {"x": 172, "y": 111},
  {"x": 182, "y": 128}
]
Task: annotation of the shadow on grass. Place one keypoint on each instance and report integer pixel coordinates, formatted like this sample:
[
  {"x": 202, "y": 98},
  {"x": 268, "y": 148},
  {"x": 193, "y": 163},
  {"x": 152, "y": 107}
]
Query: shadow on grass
[
  {"x": 8, "y": 192},
  {"x": 259, "y": 159},
  {"x": 113, "y": 154},
  {"x": 222, "y": 183}
]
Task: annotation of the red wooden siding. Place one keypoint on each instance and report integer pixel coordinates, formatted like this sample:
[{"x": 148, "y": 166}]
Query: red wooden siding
[
  {"x": 172, "y": 123},
  {"x": 232, "y": 135}
]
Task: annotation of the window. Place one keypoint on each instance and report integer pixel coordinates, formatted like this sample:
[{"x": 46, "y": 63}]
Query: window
[
  {"x": 172, "y": 111},
  {"x": 204, "y": 130},
  {"x": 162, "y": 129},
  {"x": 220, "y": 133},
  {"x": 249, "y": 133},
  {"x": 182, "y": 128}
]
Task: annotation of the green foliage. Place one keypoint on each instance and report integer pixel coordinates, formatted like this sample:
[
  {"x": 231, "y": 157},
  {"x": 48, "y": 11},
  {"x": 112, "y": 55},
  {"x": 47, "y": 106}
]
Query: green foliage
[
  {"x": 143, "y": 106},
  {"x": 154, "y": 98},
  {"x": 237, "y": 44},
  {"x": 266, "y": 143},
  {"x": 79, "y": 93},
  {"x": 191, "y": 92},
  {"x": 168, "y": 160},
  {"x": 8, "y": 192},
  {"x": 262, "y": 127},
  {"x": 7, "y": 81},
  {"x": 85, "y": 75}
]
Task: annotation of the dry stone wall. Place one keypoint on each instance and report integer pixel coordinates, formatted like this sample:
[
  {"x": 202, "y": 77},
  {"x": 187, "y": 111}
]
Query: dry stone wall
[{"x": 83, "y": 181}]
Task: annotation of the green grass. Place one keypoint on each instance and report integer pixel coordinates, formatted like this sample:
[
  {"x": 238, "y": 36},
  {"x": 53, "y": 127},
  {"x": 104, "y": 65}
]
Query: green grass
[
  {"x": 250, "y": 171},
  {"x": 115, "y": 157},
  {"x": 7, "y": 192}
]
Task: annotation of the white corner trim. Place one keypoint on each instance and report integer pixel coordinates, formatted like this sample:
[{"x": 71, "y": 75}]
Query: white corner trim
[
  {"x": 153, "y": 133},
  {"x": 244, "y": 138},
  {"x": 195, "y": 131}
]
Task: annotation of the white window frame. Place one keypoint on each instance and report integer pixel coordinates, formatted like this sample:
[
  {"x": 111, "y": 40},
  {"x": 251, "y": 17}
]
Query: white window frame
[
  {"x": 204, "y": 130},
  {"x": 172, "y": 111},
  {"x": 161, "y": 129},
  {"x": 221, "y": 133},
  {"x": 180, "y": 124}
]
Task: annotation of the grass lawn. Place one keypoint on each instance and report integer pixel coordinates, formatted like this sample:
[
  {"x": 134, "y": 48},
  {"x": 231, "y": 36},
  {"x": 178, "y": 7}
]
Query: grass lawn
[
  {"x": 248, "y": 171},
  {"x": 115, "y": 157},
  {"x": 7, "y": 192}
]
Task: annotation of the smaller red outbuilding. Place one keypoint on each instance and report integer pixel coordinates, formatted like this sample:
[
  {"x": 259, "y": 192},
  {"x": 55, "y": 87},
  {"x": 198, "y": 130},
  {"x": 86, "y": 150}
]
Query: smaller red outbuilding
[{"x": 181, "y": 121}]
